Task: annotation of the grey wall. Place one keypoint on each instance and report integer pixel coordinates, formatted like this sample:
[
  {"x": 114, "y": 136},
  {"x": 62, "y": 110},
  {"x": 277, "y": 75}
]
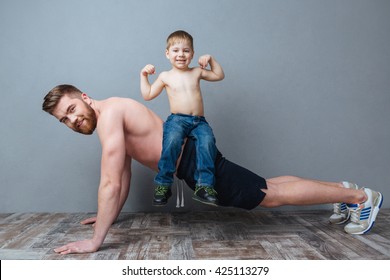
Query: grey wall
[{"x": 306, "y": 90}]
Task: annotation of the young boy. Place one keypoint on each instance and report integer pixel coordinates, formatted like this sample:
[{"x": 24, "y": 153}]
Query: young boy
[{"x": 182, "y": 84}]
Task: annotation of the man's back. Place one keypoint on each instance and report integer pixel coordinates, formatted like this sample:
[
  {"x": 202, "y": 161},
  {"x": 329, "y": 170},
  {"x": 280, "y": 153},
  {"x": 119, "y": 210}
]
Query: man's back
[{"x": 142, "y": 128}]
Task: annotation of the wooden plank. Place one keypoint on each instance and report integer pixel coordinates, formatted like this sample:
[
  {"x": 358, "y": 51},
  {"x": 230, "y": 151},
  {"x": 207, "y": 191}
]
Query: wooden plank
[{"x": 227, "y": 234}]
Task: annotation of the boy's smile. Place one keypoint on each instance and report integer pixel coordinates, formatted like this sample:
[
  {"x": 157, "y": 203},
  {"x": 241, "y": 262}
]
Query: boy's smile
[{"x": 180, "y": 54}]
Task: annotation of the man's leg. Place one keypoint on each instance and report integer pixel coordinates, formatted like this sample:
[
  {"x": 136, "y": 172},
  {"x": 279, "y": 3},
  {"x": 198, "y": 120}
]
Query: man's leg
[
  {"x": 290, "y": 190},
  {"x": 364, "y": 204}
]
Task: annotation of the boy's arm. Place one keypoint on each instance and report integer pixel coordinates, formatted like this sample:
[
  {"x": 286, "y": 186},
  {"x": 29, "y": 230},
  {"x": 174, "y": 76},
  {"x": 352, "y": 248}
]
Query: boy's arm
[
  {"x": 215, "y": 73},
  {"x": 150, "y": 91}
]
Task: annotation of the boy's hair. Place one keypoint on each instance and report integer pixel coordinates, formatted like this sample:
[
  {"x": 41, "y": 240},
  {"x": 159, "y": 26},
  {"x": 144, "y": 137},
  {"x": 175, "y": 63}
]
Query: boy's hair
[
  {"x": 50, "y": 101},
  {"x": 179, "y": 36}
]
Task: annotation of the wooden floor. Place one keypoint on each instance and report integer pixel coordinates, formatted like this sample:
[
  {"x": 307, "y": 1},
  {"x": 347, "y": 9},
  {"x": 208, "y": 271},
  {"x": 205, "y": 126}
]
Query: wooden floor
[{"x": 232, "y": 234}]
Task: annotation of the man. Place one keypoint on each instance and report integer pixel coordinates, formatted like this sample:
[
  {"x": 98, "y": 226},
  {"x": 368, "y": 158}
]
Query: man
[{"x": 129, "y": 131}]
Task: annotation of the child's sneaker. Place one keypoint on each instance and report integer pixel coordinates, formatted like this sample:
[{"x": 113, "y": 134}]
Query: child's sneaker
[
  {"x": 205, "y": 195},
  {"x": 341, "y": 212},
  {"x": 363, "y": 215},
  {"x": 161, "y": 195}
]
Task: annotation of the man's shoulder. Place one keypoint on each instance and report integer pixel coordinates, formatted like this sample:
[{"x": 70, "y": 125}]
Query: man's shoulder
[
  {"x": 112, "y": 114},
  {"x": 116, "y": 106},
  {"x": 119, "y": 102},
  {"x": 120, "y": 106}
]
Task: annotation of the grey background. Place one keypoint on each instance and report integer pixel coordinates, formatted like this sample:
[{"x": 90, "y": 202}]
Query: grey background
[{"x": 306, "y": 90}]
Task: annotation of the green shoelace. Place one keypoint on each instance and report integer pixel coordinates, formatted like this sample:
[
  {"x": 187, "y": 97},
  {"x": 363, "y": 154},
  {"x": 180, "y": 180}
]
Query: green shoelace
[
  {"x": 161, "y": 190},
  {"x": 210, "y": 191}
]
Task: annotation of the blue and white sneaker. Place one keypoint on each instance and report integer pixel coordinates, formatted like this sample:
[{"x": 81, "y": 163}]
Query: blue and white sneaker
[
  {"x": 363, "y": 215},
  {"x": 341, "y": 212}
]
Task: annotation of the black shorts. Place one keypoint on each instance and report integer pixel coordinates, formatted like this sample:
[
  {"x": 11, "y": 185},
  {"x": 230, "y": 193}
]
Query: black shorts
[{"x": 236, "y": 186}]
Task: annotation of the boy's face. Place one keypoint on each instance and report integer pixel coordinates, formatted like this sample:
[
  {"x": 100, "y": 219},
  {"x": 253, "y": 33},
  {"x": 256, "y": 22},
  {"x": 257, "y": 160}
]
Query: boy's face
[{"x": 180, "y": 54}]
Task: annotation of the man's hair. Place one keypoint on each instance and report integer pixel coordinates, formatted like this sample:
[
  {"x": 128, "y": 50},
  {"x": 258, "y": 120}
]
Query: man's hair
[
  {"x": 179, "y": 36},
  {"x": 50, "y": 101}
]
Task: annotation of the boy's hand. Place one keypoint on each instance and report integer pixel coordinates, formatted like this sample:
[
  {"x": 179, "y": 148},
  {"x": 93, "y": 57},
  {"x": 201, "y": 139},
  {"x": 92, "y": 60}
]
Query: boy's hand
[
  {"x": 204, "y": 60},
  {"x": 148, "y": 70}
]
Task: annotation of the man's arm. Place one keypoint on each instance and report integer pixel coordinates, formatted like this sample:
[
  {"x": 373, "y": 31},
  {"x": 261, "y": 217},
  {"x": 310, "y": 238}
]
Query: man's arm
[
  {"x": 215, "y": 73},
  {"x": 149, "y": 91},
  {"x": 110, "y": 189},
  {"x": 126, "y": 178}
]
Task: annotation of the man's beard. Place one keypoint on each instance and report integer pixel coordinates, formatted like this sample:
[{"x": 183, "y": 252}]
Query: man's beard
[{"x": 89, "y": 122}]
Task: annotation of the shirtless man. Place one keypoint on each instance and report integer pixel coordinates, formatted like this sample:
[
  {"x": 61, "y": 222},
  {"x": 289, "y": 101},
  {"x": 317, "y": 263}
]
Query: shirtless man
[{"x": 128, "y": 130}]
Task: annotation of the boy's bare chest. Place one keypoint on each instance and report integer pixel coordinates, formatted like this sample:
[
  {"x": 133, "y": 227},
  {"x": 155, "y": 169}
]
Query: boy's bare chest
[{"x": 183, "y": 84}]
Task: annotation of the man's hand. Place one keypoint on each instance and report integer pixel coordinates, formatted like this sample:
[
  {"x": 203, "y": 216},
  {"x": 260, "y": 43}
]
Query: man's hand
[
  {"x": 88, "y": 221},
  {"x": 148, "y": 70},
  {"x": 79, "y": 247},
  {"x": 204, "y": 60}
]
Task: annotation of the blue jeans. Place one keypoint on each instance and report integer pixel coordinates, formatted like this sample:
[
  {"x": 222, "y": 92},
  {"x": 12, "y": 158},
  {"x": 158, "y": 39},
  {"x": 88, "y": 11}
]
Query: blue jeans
[{"x": 176, "y": 128}]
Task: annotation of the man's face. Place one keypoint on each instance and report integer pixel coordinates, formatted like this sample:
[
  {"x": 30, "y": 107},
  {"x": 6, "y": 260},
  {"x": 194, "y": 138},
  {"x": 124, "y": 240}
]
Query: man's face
[{"x": 76, "y": 114}]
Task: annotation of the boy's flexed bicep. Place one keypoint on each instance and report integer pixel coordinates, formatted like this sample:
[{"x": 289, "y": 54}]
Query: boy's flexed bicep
[
  {"x": 215, "y": 73},
  {"x": 150, "y": 91}
]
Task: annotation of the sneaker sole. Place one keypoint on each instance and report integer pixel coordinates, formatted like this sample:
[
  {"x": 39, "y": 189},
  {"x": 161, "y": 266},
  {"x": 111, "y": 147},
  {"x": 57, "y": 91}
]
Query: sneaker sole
[
  {"x": 374, "y": 214},
  {"x": 204, "y": 201},
  {"x": 159, "y": 204}
]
